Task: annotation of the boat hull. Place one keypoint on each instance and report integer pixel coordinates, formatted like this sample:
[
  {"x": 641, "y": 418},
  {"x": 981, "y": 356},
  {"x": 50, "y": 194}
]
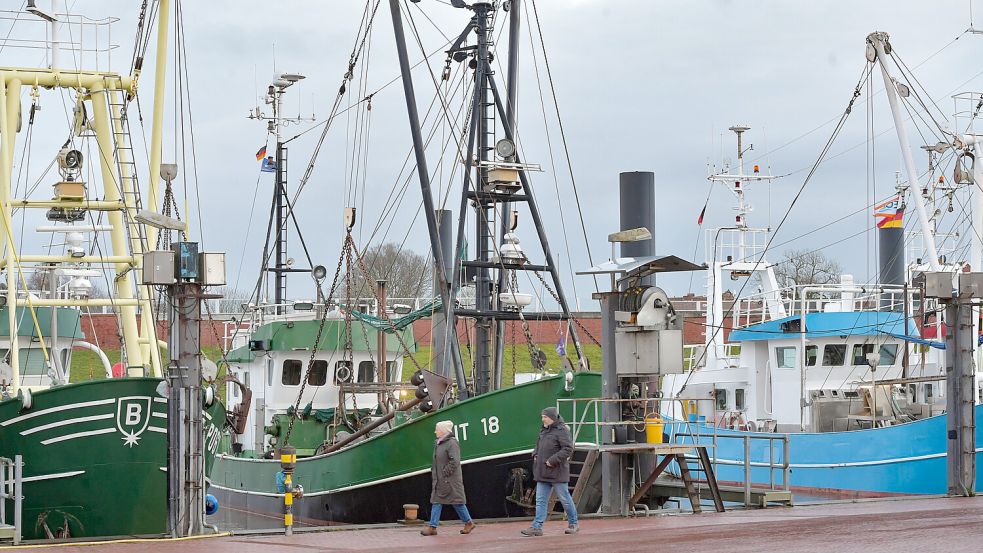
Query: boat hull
[
  {"x": 370, "y": 481},
  {"x": 905, "y": 459},
  {"x": 95, "y": 457}
]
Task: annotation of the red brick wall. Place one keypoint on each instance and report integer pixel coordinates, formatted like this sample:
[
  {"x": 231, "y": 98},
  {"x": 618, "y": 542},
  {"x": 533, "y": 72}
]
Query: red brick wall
[
  {"x": 543, "y": 332},
  {"x": 103, "y": 329}
]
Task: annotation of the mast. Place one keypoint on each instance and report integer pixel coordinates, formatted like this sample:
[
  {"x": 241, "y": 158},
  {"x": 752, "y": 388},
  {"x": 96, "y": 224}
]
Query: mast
[
  {"x": 512, "y": 90},
  {"x": 483, "y": 210},
  {"x": 878, "y": 42},
  {"x": 444, "y": 284},
  {"x": 729, "y": 249},
  {"x": 282, "y": 210},
  {"x": 493, "y": 176}
]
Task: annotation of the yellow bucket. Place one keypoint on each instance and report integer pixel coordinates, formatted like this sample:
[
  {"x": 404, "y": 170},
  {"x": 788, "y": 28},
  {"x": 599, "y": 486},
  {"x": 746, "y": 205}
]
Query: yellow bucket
[{"x": 654, "y": 428}]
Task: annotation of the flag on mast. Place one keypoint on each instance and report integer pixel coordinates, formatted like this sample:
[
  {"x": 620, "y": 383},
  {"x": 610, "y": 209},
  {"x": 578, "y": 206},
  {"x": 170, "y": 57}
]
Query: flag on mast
[
  {"x": 261, "y": 153},
  {"x": 890, "y": 213}
]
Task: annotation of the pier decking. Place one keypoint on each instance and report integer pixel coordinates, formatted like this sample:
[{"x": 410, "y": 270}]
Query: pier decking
[{"x": 870, "y": 526}]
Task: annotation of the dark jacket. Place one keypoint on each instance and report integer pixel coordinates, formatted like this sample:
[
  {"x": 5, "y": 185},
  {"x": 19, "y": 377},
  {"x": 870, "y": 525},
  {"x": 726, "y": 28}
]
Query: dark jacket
[
  {"x": 555, "y": 445},
  {"x": 447, "y": 483}
]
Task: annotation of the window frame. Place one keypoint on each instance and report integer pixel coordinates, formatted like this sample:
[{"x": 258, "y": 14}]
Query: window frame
[
  {"x": 295, "y": 364},
  {"x": 881, "y": 350},
  {"x": 811, "y": 362},
  {"x": 320, "y": 366},
  {"x": 720, "y": 395},
  {"x": 865, "y": 348},
  {"x": 372, "y": 371},
  {"x": 842, "y": 355},
  {"x": 780, "y": 358}
]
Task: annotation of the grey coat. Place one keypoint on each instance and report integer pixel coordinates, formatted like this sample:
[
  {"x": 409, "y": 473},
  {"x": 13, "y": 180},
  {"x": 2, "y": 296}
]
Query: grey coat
[
  {"x": 555, "y": 445},
  {"x": 447, "y": 482}
]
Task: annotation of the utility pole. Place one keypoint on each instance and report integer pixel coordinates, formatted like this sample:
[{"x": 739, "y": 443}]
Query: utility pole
[
  {"x": 183, "y": 271},
  {"x": 185, "y": 460}
]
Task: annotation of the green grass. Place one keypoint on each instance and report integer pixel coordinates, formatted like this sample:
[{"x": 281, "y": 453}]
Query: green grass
[
  {"x": 522, "y": 362},
  {"x": 87, "y": 366}
]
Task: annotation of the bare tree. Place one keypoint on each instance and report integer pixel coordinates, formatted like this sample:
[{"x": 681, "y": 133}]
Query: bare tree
[
  {"x": 407, "y": 273},
  {"x": 232, "y": 299},
  {"x": 803, "y": 267}
]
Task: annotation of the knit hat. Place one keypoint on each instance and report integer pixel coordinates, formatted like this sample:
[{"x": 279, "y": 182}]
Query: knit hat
[{"x": 552, "y": 413}]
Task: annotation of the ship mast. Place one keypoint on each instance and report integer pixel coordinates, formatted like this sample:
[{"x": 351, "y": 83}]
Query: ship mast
[
  {"x": 282, "y": 264},
  {"x": 735, "y": 249},
  {"x": 495, "y": 179}
]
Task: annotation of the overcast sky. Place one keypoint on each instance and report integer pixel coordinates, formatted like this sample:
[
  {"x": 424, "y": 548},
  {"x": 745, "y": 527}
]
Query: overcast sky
[{"x": 641, "y": 85}]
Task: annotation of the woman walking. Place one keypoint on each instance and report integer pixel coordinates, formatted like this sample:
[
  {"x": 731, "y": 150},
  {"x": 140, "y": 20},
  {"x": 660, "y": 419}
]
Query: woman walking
[{"x": 447, "y": 482}]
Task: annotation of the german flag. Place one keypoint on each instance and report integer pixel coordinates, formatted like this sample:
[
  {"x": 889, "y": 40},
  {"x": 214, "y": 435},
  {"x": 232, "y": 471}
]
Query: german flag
[{"x": 261, "y": 153}]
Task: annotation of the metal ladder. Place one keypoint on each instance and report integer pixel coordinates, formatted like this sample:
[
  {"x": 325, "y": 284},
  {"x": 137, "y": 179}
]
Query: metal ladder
[
  {"x": 126, "y": 173},
  {"x": 11, "y": 488},
  {"x": 283, "y": 216}
]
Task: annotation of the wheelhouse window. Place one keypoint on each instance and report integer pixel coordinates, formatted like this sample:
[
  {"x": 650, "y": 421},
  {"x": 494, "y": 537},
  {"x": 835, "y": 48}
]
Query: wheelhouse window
[
  {"x": 860, "y": 352},
  {"x": 889, "y": 354},
  {"x": 739, "y": 397},
  {"x": 812, "y": 352},
  {"x": 292, "y": 369},
  {"x": 366, "y": 371},
  {"x": 834, "y": 355},
  {"x": 319, "y": 373},
  {"x": 720, "y": 396},
  {"x": 785, "y": 357},
  {"x": 343, "y": 372}
]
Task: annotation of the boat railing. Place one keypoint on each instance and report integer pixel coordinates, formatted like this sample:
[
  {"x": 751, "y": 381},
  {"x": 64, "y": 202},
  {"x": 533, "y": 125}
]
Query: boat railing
[
  {"x": 737, "y": 244},
  {"x": 782, "y": 466},
  {"x": 586, "y": 413},
  {"x": 845, "y": 296},
  {"x": 86, "y": 43},
  {"x": 12, "y": 489}
]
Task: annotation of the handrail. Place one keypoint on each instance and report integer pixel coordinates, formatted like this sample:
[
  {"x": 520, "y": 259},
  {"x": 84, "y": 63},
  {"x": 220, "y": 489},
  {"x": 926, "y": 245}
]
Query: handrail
[
  {"x": 11, "y": 487},
  {"x": 771, "y": 437},
  {"x": 682, "y": 429}
]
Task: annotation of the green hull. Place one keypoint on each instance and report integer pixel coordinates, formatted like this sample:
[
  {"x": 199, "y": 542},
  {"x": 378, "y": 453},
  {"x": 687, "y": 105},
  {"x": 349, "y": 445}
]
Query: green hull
[
  {"x": 501, "y": 427},
  {"x": 95, "y": 457}
]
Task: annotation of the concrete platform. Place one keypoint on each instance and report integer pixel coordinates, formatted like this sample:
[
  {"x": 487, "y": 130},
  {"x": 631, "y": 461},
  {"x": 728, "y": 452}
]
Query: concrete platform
[{"x": 870, "y": 526}]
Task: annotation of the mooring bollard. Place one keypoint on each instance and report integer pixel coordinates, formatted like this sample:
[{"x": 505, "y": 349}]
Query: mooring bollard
[{"x": 288, "y": 460}]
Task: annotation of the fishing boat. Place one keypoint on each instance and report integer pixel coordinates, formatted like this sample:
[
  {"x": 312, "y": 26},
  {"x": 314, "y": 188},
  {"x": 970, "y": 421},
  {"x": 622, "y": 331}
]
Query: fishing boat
[
  {"x": 852, "y": 374},
  {"x": 325, "y": 375},
  {"x": 87, "y": 458}
]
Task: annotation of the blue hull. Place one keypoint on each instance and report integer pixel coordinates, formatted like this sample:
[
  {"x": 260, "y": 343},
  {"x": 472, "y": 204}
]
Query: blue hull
[{"x": 904, "y": 459}]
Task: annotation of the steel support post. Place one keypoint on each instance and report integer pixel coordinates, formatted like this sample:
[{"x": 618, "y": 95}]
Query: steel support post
[
  {"x": 960, "y": 412},
  {"x": 185, "y": 431},
  {"x": 611, "y": 469}
]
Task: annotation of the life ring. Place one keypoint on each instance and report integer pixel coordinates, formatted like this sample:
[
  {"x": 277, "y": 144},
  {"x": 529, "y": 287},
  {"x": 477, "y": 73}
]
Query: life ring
[{"x": 343, "y": 374}]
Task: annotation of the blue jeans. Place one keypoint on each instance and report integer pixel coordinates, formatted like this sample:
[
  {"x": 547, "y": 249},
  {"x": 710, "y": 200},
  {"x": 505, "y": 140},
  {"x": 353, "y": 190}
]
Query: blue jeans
[
  {"x": 462, "y": 513},
  {"x": 543, "y": 496}
]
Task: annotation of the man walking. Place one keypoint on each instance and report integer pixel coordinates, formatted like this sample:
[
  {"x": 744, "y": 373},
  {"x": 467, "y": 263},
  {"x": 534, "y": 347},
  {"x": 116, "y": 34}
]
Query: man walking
[
  {"x": 551, "y": 471},
  {"x": 447, "y": 482}
]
